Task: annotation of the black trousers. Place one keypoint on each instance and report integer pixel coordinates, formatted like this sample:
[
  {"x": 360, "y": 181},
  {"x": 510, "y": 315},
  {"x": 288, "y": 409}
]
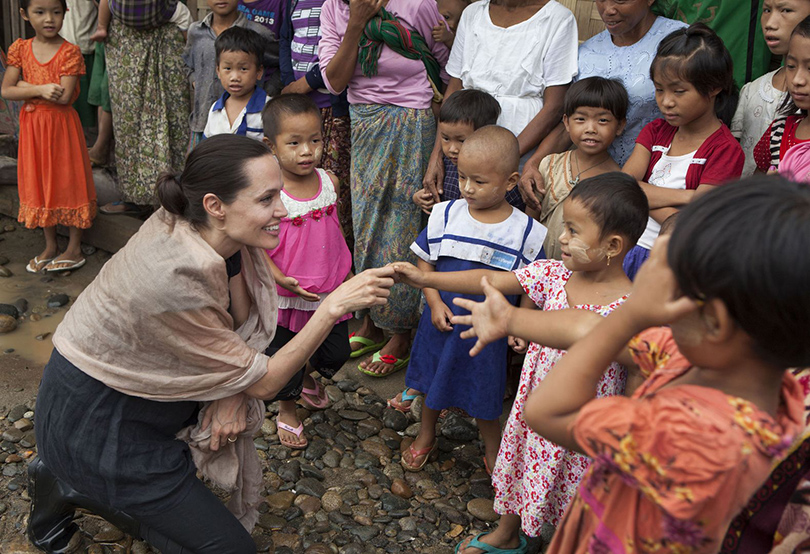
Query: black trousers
[{"x": 330, "y": 356}]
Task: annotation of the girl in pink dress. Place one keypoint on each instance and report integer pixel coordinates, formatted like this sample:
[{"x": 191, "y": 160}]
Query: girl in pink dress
[{"x": 312, "y": 258}]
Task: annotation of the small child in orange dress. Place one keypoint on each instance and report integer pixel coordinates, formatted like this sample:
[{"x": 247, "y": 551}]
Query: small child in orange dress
[{"x": 54, "y": 178}]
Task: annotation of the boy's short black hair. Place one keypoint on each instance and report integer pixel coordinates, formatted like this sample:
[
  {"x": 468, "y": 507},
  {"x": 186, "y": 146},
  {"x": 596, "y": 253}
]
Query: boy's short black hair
[
  {"x": 597, "y": 92},
  {"x": 284, "y": 105},
  {"x": 24, "y": 4},
  {"x": 747, "y": 244},
  {"x": 470, "y": 106},
  {"x": 617, "y": 204},
  {"x": 239, "y": 39}
]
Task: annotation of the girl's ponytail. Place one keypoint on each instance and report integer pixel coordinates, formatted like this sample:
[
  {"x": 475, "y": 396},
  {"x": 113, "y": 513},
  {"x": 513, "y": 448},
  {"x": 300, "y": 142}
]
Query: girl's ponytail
[
  {"x": 171, "y": 195},
  {"x": 697, "y": 55}
]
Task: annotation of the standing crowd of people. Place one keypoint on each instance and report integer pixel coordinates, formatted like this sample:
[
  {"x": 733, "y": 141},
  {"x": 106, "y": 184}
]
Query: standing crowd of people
[{"x": 464, "y": 178}]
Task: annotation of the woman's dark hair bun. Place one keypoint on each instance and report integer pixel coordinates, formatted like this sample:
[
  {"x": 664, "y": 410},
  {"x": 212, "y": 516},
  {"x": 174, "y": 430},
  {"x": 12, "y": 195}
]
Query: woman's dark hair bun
[{"x": 170, "y": 194}]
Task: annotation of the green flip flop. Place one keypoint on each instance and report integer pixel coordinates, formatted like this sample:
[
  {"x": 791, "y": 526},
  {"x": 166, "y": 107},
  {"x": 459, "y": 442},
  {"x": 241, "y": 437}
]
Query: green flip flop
[
  {"x": 522, "y": 548},
  {"x": 368, "y": 345},
  {"x": 397, "y": 363}
]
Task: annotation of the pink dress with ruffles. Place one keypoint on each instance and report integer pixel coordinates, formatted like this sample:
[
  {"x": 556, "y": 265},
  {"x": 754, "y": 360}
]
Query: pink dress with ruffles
[{"x": 311, "y": 249}]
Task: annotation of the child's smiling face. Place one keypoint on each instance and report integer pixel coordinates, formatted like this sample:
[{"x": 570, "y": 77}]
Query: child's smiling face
[{"x": 593, "y": 129}]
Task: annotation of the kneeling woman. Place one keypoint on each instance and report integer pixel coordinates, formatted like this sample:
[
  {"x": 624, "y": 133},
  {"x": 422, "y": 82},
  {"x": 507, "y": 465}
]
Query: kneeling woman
[{"x": 169, "y": 341}]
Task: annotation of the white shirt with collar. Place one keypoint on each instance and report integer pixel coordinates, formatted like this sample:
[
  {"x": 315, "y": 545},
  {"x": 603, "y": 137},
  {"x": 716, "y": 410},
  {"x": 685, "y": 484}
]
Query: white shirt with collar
[{"x": 248, "y": 123}]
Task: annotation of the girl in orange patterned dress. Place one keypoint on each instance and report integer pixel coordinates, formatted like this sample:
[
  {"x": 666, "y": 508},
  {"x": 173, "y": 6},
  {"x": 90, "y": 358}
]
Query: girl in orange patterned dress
[{"x": 54, "y": 178}]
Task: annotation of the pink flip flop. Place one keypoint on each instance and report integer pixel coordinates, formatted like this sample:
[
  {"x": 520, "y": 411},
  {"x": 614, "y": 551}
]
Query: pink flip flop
[
  {"x": 297, "y": 431},
  {"x": 316, "y": 393}
]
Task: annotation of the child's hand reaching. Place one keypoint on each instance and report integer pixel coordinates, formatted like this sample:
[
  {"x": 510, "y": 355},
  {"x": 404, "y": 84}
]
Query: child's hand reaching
[
  {"x": 440, "y": 315},
  {"x": 656, "y": 299},
  {"x": 291, "y": 284},
  {"x": 409, "y": 274},
  {"x": 488, "y": 319},
  {"x": 441, "y": 33},
  {"x": 424, "y": 200},
  {"x": 51, "y": 91},
  {"x": 518, "y": 344}
]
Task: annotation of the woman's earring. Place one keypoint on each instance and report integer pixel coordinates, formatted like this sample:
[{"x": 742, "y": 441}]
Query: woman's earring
[{"x": 608, "y": 259}]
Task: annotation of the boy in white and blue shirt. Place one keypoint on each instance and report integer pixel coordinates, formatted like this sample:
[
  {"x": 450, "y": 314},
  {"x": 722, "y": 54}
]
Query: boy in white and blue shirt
[{"x": 238, "y": 111}]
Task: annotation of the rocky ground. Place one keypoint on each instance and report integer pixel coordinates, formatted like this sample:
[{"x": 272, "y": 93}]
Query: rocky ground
[{"x": 345, "y": 494}]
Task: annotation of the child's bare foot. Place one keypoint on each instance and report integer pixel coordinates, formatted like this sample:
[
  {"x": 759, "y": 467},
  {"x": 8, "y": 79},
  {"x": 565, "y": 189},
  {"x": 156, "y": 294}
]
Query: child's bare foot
[
  {"x": 100, "y": 35},
  {"x": 97, "y": 157},
  {"x": 290, "y": 428}
]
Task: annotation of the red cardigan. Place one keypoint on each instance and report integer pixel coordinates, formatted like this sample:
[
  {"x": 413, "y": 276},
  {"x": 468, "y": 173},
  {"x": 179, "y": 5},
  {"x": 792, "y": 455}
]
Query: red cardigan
[{"x": 719, "y": 159}]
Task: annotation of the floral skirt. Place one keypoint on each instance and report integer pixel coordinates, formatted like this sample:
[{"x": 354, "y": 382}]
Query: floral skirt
[
  {"x": 391, "y": 148},
  {"x": 336, "y": 158},
  {"x": 150, "y": 106}
]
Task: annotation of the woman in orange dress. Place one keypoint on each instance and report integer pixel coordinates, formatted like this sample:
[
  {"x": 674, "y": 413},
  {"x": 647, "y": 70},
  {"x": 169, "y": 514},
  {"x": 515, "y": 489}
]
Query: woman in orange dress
[{"x": 53, "y": 170}]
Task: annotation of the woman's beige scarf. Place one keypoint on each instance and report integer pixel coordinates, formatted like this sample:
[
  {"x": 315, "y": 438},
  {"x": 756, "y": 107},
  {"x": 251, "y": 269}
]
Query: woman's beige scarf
[{"x": 155, "y": 324}]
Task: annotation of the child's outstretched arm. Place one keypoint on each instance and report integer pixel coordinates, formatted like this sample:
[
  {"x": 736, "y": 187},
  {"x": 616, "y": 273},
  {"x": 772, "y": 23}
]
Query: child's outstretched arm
[
  {"x": 554, "y": 406},
  {"x": 462, "y": 282},
  {"x": 290, "y": 283}
]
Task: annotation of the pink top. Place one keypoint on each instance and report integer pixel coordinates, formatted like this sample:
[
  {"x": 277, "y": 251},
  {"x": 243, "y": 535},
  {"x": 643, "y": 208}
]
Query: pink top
[
  {"x": 312, "y": 249},
  {"x": 399, "y": 81}
]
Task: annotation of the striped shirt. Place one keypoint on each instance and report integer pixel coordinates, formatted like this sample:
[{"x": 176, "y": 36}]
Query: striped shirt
[{"x": 143, "y": 14}]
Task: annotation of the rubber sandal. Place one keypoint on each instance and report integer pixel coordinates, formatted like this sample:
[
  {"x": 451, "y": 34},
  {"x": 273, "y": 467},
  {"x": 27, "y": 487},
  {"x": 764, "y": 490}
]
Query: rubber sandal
[
  {"x": 71, "y": 265},
  {"x": 368, "y": 346},
  {"x": 297, "y": 431},
  {"x": 522, "y": 548},
  {"x": 316, "y": 393},
  {"x": 486, "y": 466},
  {"x": 402, "y": 398},
  {"x": 397, "y": 363},
  {"x": 426, "y": 452},
  {"x": 36, "y": 261}
]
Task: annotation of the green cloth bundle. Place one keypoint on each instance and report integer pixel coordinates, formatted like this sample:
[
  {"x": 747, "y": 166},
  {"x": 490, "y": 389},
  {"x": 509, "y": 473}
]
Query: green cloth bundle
[{"x": 385, "y": 28}]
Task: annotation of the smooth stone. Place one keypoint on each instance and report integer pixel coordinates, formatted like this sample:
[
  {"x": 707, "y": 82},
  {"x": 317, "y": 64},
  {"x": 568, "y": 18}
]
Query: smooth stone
[
  {"x": 261, "y": 444},
  {"x": 10, "y": 310},
  {"x": 307, "y": 504},
  {"x": 21, "y": 304},
  {"x": 17, "y": 412},
  {"x": 482, "y": 509},
  {"x": 13, "y": 435},
  {"x": 375, "y": 491},
  {"x": 481, "y": 490},
  {"x": 309, "y": 471},
  {"x": 353, "y": 415},
  {"x": 288, "y": 540},
  {"x": 319, "y": 548},
  {"x": 397, "y": 421},
  {"x": 331, "y": 459},
  {"x": 292, "y": 513},
  {"x": 35, "y": 317},
  {"x": 290, "y": 472},
  {"x": 23, "y": 424},
  {"x": 5, "y": 272},
  {"x": 331, "y": 501},
  {"x": 7, "y": 323},
  {"x": 88, "y": 249},
  {"x": 348, "y": 385},
  {"x": 281, "y": 500},
  {"x": 400, "y": 488},
  {"x": 333, "y": 393},
  {"x": 108, "y": 533},
  {"x": 278, "y": 452},
  {"x": 413, "y": 430},
  {"x": 369, "y": 428},
  {"x": 271, "y": 522},
  {"x": 3, "y": 260},
  {"x": 28, "y": 415},
  {"x": 42, "y": 336},
  {"x": 366, "y": 532},
  {"x": 9, "y": 228},
  {"x": 269, "y": 427},
  {"x": 452, "y": 515},
  {"x": 459, "y": 429},
  {"x": 8, "y": 351},
  {"x": 392, "y": 502},
  {"x": 316, "y": 449},
  {"x": 376, "y": 448},
  {"x": 310, "y": 486},
  {"x": 57, "y": 300},
  {"x": 364, "y": 460},
  {"x": 416, "y": 407},
  {"x": 325, "y": 430}
]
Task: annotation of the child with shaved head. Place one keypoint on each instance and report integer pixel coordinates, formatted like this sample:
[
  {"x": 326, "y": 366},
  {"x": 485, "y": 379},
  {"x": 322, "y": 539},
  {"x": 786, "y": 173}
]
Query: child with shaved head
[{"x": 478, "y": 231}]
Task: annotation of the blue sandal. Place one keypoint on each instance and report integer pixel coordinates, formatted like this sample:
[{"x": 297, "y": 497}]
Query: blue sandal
[
  {"x": 401, "y": 398},
  {"x": 522, "y": 548}
]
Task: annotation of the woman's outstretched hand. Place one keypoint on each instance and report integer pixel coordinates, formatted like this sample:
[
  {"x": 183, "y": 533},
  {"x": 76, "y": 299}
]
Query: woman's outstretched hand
[
  {"x": 656, "y": 299},
  {"x": 369, "y": 288},
  {"x": 488, "y": 320},
  {"x": 292, "y": 285},
  {"x": 227, "y": 418}
]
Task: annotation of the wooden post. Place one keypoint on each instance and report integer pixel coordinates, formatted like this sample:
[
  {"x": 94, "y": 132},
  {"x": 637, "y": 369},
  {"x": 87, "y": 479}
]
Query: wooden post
[{"x": 13, "y": 24}]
